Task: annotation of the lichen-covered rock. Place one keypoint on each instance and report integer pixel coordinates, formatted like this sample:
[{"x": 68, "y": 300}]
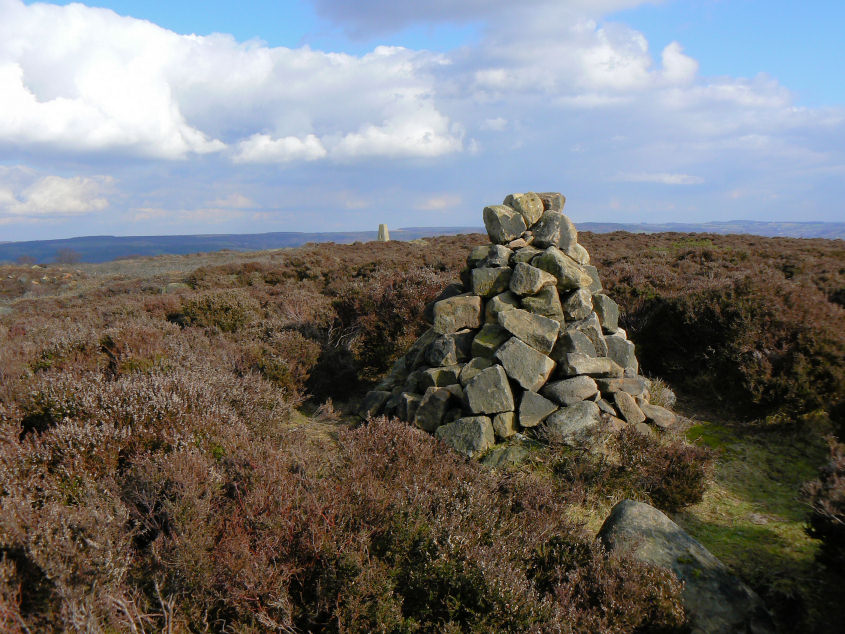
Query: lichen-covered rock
[
  {"x": 552, "y": 201},
  {"x": 456, "y": 313},
  {"x": 524, "y": 364},
  {"x": 504, "y": 425},
  {"x": 432, "y": 408},
  {"x": 577, "y": 305},
  {"x": 439, "y": 377},
  {"x": 593, "y": 272},
  {"x": 501, "y": 302},
  {"x": 529, "y": 280},
  {"x": 607, "y": 311},
  {"x": 573, "y": 364},
  {"x": 537, "y": 331},
  {"x": 570, "y": 391},
  {"x": 472, "y": 368},
  {"x": 545, "y": 303},
  {"x": 569, "y": 274},
  {"x": 497, "y": 256},
  {"x": 488, "y": 340},
  {"x": 529, "y": 205},
  {"x": 579, "y": 254},
  {"x": 503, "y": 223},
  {"x": 715, "y": 600},
  {"x": 503, "y": 456},
  {"x": 489, "y": 392},
  {"x": 627, "y": 406},
  {"x": 470, "y": 436},
  {"x": 554, "y": 230},
  {"x": 534, "y": 409},
  {"x": 487, "y": 281},
  {"x": 571, "y": 423},
  {"x": 525, "y": 255},
  {"x": 453, "y": 289}
]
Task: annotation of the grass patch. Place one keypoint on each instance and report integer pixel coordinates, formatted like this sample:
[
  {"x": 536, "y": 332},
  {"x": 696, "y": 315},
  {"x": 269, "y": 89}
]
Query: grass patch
[{"x": 753, "y": 520}]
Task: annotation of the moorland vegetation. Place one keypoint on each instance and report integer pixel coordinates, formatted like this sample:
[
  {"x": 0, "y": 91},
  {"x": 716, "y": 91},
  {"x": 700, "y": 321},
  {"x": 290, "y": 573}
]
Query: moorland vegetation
[{"x": 176, "y": 451}]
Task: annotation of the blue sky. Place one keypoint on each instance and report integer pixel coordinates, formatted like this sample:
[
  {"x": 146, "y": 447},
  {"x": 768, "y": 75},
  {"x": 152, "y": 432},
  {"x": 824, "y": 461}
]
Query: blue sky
[{"x": 132, "y": 118}]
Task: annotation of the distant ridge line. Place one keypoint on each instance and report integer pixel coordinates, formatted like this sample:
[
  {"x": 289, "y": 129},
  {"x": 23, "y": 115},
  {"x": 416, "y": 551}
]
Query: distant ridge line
[{"x": 103, "y": 248}]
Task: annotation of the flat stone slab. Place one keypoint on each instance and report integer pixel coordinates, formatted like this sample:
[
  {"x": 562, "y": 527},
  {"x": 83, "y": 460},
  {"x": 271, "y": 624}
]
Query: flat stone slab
[
  {"x": 660, "y": 416},
  {"x": 571, "y": 423},
  {"x": 537, "y": 331},
  {"x": 570, "y": 391},
  {"x": 524, "y": 364},
  {"x": 489, "y": 392},
  {"x": 534, "y": 409},
  {"x": 568, "y": 273},
  {"x": 573, "y": 364},
  {"x": 456, "y": 313},
  {"x": 488, "y": 281},
  {"x": 635, "y": 386},
  {"x": 503, "y": 223},
  {"x": 470, "y": 436},
  {"x": 715, "y": 600},
  {"x": 628, "y": 407},
  {"x": 529, "y": 280}
]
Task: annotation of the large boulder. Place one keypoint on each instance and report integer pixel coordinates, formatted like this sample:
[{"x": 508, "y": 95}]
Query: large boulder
[
  {"x": 503, "y": 223},
  {"x": 469, "y": 436},
  {"x": 489, "y": 392},
  {"x": 715, "y": 600},
  {"x": 554, "y": 230},
  {"x": 534, "y": 409},
  {"x": 526, "y": 366}
]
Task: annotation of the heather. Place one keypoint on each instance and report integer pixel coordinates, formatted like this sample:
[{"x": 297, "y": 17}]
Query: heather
[{"x": 177, "y": 452}]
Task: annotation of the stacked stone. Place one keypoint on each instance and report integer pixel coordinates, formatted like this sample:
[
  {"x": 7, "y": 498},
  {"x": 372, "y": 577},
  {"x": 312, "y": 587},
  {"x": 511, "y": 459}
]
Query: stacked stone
[{"x": 526, "y": 340}]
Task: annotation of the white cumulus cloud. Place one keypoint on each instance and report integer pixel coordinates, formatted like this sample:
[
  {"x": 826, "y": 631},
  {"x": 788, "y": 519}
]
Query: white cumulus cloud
[{"x": 56, "y": 196}]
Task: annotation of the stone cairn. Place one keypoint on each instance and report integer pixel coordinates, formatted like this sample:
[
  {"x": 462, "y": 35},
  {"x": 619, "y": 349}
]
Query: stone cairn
[{"x": 526, "y": 341}]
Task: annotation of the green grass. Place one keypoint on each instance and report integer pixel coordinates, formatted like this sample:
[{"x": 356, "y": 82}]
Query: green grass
[{"x": 752, "y": 518}]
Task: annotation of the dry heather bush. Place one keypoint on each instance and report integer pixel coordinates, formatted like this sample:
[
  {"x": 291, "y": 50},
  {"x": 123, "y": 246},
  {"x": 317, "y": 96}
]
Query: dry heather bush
[{"x": 670, "y": 474}]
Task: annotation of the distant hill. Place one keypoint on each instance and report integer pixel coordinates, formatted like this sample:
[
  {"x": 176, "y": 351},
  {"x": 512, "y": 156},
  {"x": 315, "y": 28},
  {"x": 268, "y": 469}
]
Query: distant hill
[{"x": 106, "y": 248}]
